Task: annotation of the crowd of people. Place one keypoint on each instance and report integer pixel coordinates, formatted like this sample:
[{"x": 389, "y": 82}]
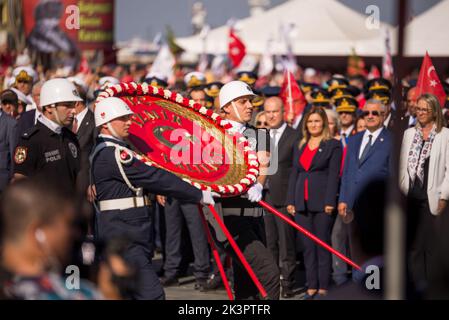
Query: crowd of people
[{"x": 74, "y": 191}]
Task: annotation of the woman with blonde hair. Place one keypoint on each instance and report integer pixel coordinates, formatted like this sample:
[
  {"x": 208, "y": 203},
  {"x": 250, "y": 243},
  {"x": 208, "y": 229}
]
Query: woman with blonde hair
[
  {"x": 312, "y": 194},
  {"x": 260, "y": 120},
  {"x": 334, "y": 123},
  {"x": 424, "y": 178}
]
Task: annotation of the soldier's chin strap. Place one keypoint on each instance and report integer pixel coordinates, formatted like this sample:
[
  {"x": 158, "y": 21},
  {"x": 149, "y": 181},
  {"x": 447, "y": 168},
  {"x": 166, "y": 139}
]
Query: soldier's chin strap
[
  {"x": 236, "y": 111},
  {"x": 113, "y": 132},
  {"x": 58, "y": 120}
]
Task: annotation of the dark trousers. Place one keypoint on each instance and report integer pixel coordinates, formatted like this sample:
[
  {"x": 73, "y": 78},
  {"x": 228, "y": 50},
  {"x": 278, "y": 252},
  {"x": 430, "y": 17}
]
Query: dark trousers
[
  {"x": 249, "y": 234},
  {"x": 281, "y": 242},
  {"x": 175, "y": 213},
  {"x": 340, "y": 242},
  {"x": 135, "y": 225},
  {"x": 422, "y": 230},
  {"x": 317, "y": 260}
]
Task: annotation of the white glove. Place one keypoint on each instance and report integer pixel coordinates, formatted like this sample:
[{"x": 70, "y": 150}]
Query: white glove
[
  {"x": 255, "y": 193},
  {"x": 208, "y": 197}
]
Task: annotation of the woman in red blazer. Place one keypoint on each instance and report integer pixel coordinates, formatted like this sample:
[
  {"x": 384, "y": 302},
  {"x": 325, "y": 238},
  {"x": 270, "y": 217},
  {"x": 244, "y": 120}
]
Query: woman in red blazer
[{"x": 312, "y": 195}]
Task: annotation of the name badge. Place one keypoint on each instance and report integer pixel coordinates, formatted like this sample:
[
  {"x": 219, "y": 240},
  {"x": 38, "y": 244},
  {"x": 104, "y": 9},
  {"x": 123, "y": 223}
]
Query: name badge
[{"x": 53, "y": 155}]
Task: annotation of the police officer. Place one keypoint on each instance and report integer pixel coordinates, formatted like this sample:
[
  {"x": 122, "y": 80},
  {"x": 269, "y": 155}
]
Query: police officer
[
  {"x": 49, "y": 148},
  {"x": 241, "y": 214},
  {"x": 121, "y": 180}
]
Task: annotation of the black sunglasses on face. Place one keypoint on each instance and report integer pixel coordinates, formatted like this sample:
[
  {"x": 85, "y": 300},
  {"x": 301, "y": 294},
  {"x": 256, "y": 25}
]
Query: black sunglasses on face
[
  {"x": 260, "y": 123},
  {"x": 374, "y": 113}
]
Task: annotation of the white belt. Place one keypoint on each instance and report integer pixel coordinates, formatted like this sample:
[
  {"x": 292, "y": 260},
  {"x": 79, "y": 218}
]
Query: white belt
[{"x": 124, "y": 203}]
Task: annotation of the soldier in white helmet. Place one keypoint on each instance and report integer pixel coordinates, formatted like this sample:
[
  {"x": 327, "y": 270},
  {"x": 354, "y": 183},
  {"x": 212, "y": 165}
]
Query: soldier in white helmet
[
  {"x": 49, "y": 148},
  {"x": 242, "y": 215},
  {"x": 121, "y": 181}
]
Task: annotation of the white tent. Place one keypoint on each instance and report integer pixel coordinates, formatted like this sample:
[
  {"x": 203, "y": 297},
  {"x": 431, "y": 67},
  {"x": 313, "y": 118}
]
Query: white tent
[
  {"x": 322, "y": 27},
  {"x": 428, "y": 31}
]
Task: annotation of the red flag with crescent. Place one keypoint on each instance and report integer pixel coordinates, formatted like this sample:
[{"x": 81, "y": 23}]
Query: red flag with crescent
[
  {"x": 428, "y": 81},
  {"x": 237, "y": 49},
  {"x": 183, "y": 137}
]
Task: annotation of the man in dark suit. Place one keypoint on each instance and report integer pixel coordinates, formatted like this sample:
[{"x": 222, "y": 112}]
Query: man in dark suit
[
  {"x": 367, "y": 158},
  {"x": 84, "y": 127},
  {"x": 280, "y": 236},
  {"x": 7, "y": 144}
]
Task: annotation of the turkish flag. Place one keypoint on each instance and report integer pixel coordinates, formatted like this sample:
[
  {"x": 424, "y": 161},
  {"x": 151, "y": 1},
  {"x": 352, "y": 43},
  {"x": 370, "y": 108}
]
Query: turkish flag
[
  {"x": 373, "y": 73},
  {"x": 237, "y": 49},
  {"x": 292, "y": 97},
  {"x": 84, "y": 66},
  {"x": 428, "y": 81}
]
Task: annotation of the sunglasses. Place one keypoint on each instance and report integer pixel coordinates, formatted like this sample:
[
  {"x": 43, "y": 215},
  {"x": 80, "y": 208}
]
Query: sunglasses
[
  {"x": 260, "y": 123},
  {"x": 23, "y": 81},
  {"x": 374, "y": 113}
]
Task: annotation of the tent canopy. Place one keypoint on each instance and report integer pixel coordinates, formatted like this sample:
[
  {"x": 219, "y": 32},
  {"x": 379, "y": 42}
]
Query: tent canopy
[
  {"x": 321, "y": 27},
  {"x": 428, "y": 31},
  {"x": 328, "y": 28}
]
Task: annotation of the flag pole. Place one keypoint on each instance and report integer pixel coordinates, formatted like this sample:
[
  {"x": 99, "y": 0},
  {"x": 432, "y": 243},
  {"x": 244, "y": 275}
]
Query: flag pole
[
  {"x": 214, "y": 250},
  {"x": 395, "y": 219},
  {"x": 309, "y": 235},
  {"x": 239, "y": 253},
  {"x": 290, "y": 99}
]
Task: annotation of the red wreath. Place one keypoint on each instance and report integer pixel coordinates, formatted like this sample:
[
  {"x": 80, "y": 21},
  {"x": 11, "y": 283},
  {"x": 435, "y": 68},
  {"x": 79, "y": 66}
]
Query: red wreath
[{"x": 153, "y": 115}]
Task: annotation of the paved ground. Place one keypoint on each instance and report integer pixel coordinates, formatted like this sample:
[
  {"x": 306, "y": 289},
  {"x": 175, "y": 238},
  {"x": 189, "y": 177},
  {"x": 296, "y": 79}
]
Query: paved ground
[{"x": 185, "y": 290}]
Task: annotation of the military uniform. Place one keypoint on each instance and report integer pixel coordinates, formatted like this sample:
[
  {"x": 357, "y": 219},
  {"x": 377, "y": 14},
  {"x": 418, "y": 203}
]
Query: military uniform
[
  {"x": 49, "y": 150},
  {"x": 244, "y": 219},
  {"x": 121, "y": 179}
]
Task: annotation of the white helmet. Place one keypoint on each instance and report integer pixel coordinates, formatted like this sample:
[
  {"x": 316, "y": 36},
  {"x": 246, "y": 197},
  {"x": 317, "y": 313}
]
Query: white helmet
[
  {"x": 109, "y": 109},
  {"x": 233, "y": 90},
  {"x": 58, "y": 90}
]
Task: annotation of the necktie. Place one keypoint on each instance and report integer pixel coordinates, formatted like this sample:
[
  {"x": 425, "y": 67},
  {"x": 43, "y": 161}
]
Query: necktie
[
  {"x": 75, "y": 125},
  {"x": 273, "y": 132},
  {"x": 343, "y": 138},
  {"x": 367, "y": 148}
]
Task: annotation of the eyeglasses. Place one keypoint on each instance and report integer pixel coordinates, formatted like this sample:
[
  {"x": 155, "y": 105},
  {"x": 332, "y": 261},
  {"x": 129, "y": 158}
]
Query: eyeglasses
[
  {"x": 423, "y": 110},
  {"x": 374, "y": 113},
  {"x": 260, "y": 123}
]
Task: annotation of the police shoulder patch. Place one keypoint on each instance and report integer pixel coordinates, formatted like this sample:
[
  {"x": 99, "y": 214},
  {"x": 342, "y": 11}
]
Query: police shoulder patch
[
  {"x": 20, "y": 154},
  {"x": 31, "y": 131},
  {"x": 125, "y": 156}
]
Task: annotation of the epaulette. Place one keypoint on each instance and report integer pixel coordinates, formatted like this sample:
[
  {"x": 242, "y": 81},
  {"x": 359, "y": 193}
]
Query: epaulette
[{"x": 31, "y": 131}]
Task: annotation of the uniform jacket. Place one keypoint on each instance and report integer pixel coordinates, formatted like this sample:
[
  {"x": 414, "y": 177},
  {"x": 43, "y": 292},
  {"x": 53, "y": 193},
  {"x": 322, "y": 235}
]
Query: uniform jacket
[{"x": 109, "y": 183}]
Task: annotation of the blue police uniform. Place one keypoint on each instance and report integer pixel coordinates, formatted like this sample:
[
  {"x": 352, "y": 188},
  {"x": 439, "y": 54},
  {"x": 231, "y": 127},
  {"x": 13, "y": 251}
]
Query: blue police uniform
[{"x": 121, "y": 180}]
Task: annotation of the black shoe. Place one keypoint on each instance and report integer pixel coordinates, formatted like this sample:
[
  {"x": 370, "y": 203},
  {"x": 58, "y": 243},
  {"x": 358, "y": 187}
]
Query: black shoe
[
  {"x": 214, "y": 284},
  {"x": 169, "y": 281},
  {"x": 201, "y": 285},
  {"x": 287, "y": 293}
]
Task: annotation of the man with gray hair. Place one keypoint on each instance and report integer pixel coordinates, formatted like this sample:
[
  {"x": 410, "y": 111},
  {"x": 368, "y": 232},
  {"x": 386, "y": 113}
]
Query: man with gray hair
[{"x": 367, "y": 158}]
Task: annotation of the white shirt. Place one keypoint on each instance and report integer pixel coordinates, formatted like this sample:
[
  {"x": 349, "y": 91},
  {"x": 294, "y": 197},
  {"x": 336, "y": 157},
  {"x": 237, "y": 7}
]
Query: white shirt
[
  {"x": 365, "y": 139},
  {"x": 53, "y": 126},
  {"x": 102, "y": 135},
  {"x": 37, "y": 115},
  {"x": 347, "y": 132},
  {"x": 387, "y": 121},
  {"x": 80, "y": 116},
  {"x": 279, "y": 131},
  {"x": 237, "y": 126}
]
